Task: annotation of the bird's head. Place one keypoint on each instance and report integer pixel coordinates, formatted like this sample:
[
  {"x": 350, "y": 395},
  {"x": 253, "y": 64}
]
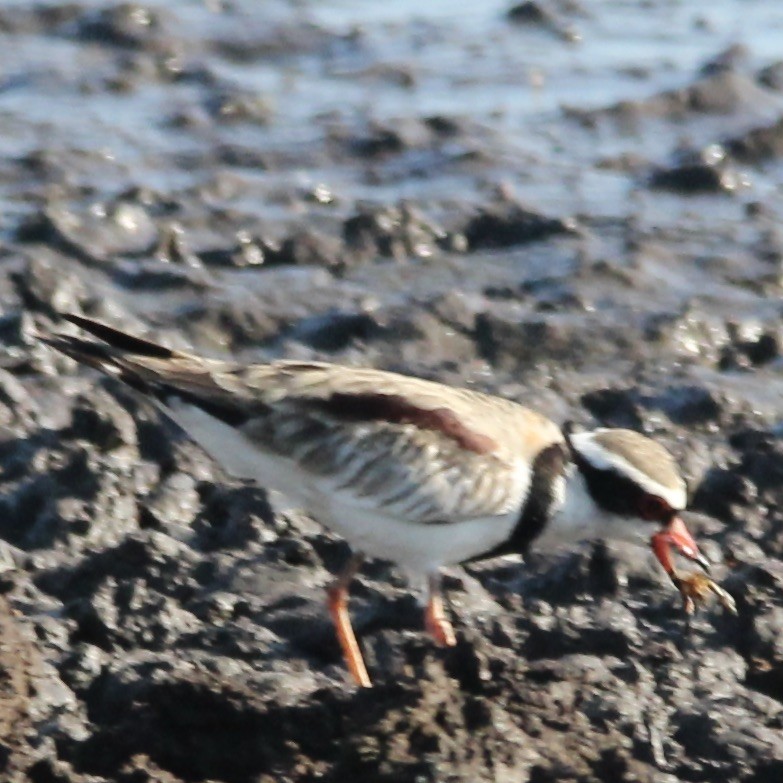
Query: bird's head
[{"x": 636, "y": 489}]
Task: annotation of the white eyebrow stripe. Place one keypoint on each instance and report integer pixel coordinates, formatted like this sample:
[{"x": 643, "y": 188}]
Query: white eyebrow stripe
[{"x": 603, "y": 459}]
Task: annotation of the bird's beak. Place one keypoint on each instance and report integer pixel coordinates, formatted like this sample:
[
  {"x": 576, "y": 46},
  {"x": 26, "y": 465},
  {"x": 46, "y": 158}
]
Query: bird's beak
[{"x": 677, "y": 535}]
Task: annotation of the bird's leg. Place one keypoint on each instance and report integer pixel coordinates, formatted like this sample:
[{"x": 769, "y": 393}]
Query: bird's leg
[
  {"x": 435, "y": 615},
  {"x": 337, "y": 601}
]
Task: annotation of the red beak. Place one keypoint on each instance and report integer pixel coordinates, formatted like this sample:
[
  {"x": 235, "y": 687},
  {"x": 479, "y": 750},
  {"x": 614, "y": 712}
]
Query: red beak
[{"x": 677, "y": 535}]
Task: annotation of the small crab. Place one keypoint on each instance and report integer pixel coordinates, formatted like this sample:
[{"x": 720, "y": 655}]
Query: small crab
[{"x": 696, "y": 587}]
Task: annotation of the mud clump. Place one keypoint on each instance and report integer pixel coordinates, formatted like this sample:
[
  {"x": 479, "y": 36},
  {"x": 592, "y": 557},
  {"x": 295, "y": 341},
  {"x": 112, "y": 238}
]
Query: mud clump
[
  {"x": 507, "y": 223},
  {"x": 17, "y": 676},
  {"x": 758, "y": 144},
  {"x": 395, "y": 232},
  {"x": 705, "y": 171},
  {"x": 722, "y": 92}
]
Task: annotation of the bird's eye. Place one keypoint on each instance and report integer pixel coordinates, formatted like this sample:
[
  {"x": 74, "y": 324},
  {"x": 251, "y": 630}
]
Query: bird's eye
[{"x": 653, "y": 509}]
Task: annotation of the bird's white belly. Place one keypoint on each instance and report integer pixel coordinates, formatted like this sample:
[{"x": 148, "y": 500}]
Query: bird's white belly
[{"x": 418, "y": 548}]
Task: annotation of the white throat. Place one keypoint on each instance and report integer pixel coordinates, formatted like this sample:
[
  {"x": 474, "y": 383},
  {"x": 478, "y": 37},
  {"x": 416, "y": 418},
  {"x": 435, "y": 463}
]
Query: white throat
[{"x": 579, "y": 518}]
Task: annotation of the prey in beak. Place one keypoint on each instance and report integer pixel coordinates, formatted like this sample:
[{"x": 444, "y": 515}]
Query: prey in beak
[{"x": 694, "y": 587}]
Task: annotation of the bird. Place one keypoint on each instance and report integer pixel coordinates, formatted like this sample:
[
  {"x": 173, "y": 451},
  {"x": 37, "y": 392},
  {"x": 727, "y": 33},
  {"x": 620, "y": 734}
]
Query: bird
[{"x": 409, "y": 470}]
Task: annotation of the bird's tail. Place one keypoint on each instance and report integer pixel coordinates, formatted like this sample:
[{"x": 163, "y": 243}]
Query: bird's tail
[
  {"x": 112, "y": 352},
  {"x": 158, "y": 371}
]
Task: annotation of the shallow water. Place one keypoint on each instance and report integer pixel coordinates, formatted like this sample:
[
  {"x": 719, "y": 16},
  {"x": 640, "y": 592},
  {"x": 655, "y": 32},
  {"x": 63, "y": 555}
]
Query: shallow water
[{"x": 465, "y": 59}]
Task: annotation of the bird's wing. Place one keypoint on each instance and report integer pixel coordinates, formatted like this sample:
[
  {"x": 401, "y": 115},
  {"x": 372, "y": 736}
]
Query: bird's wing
[{"x": 414, "y": 449}]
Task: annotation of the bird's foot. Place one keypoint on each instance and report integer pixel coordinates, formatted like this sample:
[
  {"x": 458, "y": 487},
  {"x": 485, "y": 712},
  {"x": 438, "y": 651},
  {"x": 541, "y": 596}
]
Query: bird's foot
[{"x": 696, "y": 588}]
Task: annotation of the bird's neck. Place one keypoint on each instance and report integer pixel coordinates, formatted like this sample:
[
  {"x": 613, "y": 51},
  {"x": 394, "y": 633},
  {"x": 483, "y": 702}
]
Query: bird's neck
[{"x": 578, "y": 517}]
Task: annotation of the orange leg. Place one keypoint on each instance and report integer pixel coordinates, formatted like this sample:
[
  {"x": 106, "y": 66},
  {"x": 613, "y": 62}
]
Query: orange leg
[
  {"x": 435, "y": 616},
  {"x": 337, "y": 601}
]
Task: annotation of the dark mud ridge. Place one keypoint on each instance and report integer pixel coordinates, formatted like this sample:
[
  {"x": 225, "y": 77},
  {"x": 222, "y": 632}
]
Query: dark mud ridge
[{"x": 504, "y": 198}]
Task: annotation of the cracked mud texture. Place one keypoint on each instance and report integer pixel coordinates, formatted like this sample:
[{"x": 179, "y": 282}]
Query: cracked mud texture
[{"x": 575, "y": 205}]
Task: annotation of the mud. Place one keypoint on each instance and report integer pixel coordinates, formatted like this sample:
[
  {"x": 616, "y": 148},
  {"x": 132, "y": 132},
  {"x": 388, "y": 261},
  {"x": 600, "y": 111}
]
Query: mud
[{"x": 574, "y": 205}]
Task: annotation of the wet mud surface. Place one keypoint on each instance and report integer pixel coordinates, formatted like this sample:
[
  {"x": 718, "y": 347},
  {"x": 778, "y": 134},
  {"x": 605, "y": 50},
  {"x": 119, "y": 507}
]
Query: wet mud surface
[{"x": 575, "y": 205}]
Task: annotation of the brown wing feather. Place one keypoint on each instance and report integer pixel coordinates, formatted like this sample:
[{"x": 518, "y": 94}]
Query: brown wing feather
[{"x": 477, "y": 422}]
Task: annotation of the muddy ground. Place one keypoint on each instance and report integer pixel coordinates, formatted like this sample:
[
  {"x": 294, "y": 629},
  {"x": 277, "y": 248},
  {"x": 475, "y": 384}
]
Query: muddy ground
[{"x": 576, "y": 205}]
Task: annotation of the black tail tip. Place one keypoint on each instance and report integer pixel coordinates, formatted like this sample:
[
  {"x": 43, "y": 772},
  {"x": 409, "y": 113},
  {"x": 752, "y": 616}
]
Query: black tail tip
[
  {"x": 119, "y": 340},
  {"x": 81, "y": 321}
]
